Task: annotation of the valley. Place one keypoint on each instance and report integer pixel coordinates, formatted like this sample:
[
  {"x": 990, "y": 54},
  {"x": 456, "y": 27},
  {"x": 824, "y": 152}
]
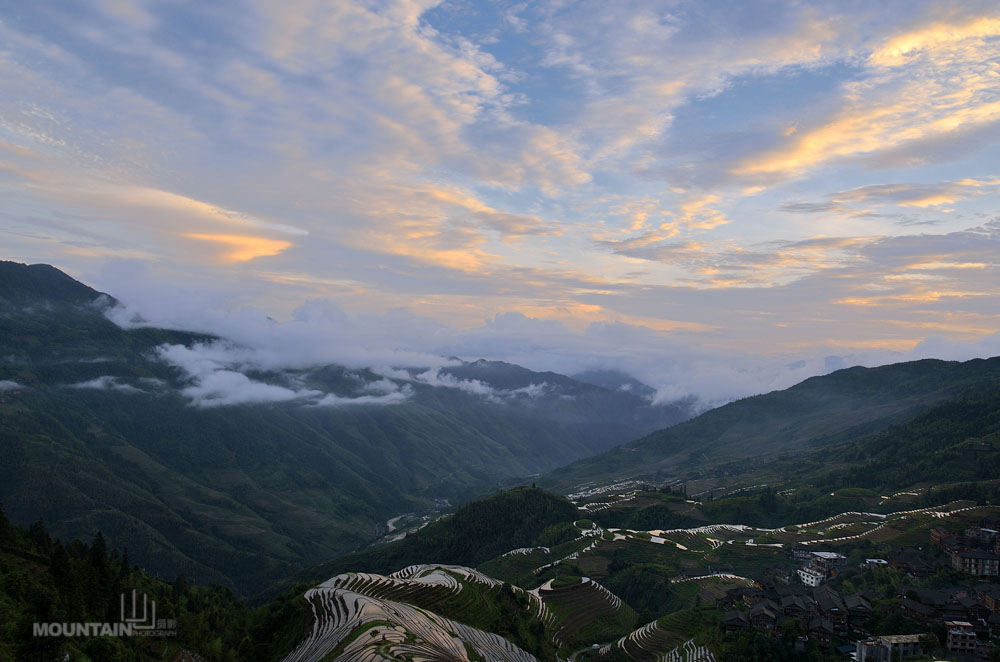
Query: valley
[
  {"x": 101, "y": 432},
  {"x": 500, "y": 331},
  {"x": 396, "y": 521}
]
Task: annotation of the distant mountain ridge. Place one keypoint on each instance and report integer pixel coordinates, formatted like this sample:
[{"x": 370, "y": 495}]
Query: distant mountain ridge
[
  {"x": 98, "y": 434},
  {"x": 616, "y": 381},
  {"x": 817, "y": 413}
]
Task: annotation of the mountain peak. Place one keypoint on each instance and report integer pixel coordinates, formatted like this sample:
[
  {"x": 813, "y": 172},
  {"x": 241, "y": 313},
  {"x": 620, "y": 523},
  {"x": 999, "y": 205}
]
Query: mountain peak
[
  {"x": 23, "y": 283},
  {"x": 615, "y": 380}
]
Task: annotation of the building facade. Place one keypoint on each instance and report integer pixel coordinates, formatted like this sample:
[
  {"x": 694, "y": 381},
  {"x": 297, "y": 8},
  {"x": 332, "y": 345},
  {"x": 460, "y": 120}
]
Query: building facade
[
  {"x": 961, "y": 638},
  {"x": 889, "y": 648}
]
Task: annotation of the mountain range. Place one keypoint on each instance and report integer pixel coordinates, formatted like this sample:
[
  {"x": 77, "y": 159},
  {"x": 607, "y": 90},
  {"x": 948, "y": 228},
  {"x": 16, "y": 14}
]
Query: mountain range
[
  {"x": 100, "y": 432},
  {"x": 282, "y": 497}
]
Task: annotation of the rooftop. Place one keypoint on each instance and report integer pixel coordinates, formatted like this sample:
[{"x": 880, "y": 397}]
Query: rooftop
[
  {"x": 900, "y": 638},
  {"x": 978, "y": 554}
]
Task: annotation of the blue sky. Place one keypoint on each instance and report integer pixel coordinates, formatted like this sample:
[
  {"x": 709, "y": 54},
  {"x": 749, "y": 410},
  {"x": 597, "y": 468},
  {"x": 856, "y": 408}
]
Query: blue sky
[{"x": 686, "y": 190}]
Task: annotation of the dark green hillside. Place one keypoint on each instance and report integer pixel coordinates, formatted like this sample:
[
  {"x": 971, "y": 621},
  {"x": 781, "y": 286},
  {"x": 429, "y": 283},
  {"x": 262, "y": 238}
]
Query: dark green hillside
[
  {"x": 30, "y": 284},
  {"x": 476, "y": 532},
  {"x": 952, "y": 442},
  {"x": 52, "y": 329},
  {"x": 952, "y": 448},
  {"x": 819, "y": 412},
  {"x": 950, "y": 451},
  {"x": 244, "y": 494},
  {"x": 47, "y": 581}
]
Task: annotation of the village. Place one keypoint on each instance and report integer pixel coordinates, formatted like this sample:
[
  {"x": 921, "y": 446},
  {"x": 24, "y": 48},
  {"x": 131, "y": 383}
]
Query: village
[{"x": 944, "y": 595}]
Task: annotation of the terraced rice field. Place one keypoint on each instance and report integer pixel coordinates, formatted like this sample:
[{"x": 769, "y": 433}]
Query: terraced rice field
[
  {"x": 676, "y": 627},
  {"x": 525, "y": 551},
  {"x": 663, "y": 640},
  {"x": 689, "y": 593},
  {"x": 585, "y": 612},
  {"x": 585, "y": 543},
  {"x": 646, "y": 644},
  {"x": 517, "y": 568},
  {"x": 366, "y": 617},
  {"x": 689, "y": 652},
  {"x": 595, "y": 563}
]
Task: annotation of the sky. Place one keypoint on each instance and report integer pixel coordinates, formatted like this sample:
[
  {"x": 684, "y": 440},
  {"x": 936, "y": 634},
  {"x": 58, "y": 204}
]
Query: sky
[{"x": 720, "y": 198}]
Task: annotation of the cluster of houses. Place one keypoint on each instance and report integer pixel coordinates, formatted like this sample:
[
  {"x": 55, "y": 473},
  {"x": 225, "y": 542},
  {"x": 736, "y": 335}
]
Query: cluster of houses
[
  {"x": 819, "y": 610},
  {"x": 975, "y": 550},
  {"x": 966, "y": 611},
  {"x": 969, "y": 613}
]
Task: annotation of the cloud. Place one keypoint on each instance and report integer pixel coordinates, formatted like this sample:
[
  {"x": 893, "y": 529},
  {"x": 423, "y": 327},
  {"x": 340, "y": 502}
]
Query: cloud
[
  {"x": 531, "y": 391},
  {"x": 734, "y": 332},
  {"x": 433, "y": 377},
  {"x": 215, "y": 376},
  {"x": 919, "y": 195},
  {"x": 242, "y": 248},
  {"x": 811, "y": 207},
  {"x": 132, "y": 13},
  {"x": 436, "y": 377},
  {"x": 906, "y": 47},
  {"x": 938, "y": 347},
  {"x": 214, "y": 379},
  {"x": 514, "y": 225},
  {"x": 637, "y": 64},
  {"x": 7, "y": 385},
  {"x": 399, "y": 397},
  {"x": 934, "y": 80},
  {"x": 227, "y": 387},
  {"x": 107, "y": 383},
  {"x": 382, "y": 386},
  {"x": 724, "y": 265},
  {"x": 142, "y": 197},
  {"x": 318, "y": 333},
  {"x": 695, "y": 213}
]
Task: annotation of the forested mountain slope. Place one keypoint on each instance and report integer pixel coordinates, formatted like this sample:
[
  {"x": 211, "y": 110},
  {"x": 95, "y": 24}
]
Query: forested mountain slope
[{"x": 817, "y": 413}]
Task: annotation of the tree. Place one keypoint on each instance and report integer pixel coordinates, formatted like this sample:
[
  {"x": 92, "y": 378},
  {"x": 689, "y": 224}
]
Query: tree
[
  {"x": 124, "y": 569},
  {"x": 41, "y": 538},
  {"x": 6, "y": 530},
  {"x": 60, "y": 567},
  {"x": 180, "y": 588},
  {"x": 99, "y": 552},
  {"x": 101, "y": 584}
]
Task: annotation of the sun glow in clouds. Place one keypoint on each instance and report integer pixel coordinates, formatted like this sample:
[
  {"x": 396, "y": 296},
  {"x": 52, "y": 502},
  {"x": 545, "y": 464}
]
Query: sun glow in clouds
[{"x": 243, "y": 248}]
